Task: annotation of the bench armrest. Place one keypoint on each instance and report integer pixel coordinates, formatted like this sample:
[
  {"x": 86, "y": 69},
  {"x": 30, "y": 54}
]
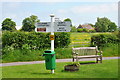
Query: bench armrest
[
  {"x": 99, "y": 52},
  {"x": 74, "y": 53}
]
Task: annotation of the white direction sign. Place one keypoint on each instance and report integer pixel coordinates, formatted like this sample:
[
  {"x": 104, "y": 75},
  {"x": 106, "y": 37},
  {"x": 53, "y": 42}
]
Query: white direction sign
[
  {"x": 58, "y": 26},
  {"x": 42, "y": 24},
  {"x": 62, "y": 26}
]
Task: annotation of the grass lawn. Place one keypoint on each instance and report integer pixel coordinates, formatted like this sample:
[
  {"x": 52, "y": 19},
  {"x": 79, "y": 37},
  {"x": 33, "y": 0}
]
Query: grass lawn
[{"x": 108, "y": 69}]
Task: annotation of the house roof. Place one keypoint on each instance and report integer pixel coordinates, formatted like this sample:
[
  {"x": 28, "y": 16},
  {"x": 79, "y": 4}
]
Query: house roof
[{"x": 87, "y": 26}]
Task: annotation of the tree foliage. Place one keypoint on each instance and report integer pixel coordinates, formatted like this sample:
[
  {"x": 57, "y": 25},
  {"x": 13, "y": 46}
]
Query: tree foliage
[
  {"x": 112, "y": 27},
  {"x": 73, "y": 29},
  {"x": 103, "y": 39},
  {"x": 68, "y": 19},
  {"x": 8, "y": 24},
  {"x": 29, "y": 23},
  {"x": 104, "y": 25},
  {"x": 91, "y": 24}
]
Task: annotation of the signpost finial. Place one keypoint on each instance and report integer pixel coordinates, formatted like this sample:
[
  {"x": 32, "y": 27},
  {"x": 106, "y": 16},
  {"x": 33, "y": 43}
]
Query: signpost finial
[{"x": 52, "y": 15}]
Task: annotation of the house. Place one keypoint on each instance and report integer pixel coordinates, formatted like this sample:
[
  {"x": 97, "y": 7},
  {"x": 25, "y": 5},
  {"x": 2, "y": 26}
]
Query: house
[{"x": 85, "y": 26}]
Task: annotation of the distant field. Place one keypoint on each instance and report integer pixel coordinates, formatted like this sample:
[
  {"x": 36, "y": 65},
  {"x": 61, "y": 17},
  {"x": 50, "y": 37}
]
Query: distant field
[{"x": 82, "y": 39}]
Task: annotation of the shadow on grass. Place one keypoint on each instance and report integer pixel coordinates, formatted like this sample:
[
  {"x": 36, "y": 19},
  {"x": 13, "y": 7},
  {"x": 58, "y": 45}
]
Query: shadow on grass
[
  {"x": 36, "y": 73},
  {"x": 41, "y": 73},
  {"x": 68, "y": 71},
  {"x": 85, "y": 63}
]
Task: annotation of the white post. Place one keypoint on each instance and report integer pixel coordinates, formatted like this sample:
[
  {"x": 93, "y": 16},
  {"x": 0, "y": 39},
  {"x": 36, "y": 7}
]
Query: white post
[{"x": 52, "y": 33}]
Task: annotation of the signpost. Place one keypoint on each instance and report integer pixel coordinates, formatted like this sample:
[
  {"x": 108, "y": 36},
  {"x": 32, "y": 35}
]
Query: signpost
[{"x": 53, "y": 27}]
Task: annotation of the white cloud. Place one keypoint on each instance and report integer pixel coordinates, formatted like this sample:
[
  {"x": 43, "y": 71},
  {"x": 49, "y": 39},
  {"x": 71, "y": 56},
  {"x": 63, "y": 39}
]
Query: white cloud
[
  {"x": 89, "y": 13},
  {"x": 101, "y": 8},
  {"x": 12, "y": 5},
  {"x": 9, "y": 15},
  {"x": 62, "y": 11}
]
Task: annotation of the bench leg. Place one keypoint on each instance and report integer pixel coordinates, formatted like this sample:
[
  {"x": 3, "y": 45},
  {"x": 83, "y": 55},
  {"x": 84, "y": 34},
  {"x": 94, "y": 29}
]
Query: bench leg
[
  {"x": 73, "y": 59},
  {"x": 76, "y": 59},
  {"x": 101, "y": 59},
  {"x": 97, "y": 60}
]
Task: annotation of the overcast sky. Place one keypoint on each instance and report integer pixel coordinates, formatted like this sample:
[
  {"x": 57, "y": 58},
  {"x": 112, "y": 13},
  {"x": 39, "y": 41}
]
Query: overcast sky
[{"x": 79, "y": 12}]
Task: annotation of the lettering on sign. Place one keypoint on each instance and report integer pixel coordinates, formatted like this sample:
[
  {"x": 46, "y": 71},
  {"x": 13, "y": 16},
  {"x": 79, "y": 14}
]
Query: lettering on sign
[
  {"x": 62, "y": 26},
  {"x": 43, "y": 24}
]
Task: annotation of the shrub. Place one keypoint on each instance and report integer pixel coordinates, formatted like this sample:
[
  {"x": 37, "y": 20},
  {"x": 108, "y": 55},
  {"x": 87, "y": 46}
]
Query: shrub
[
  {"x": 118, "y": 35},
  {"x": 85, "y": 30},
  {"x": 62, "y": 39},
  {"x": 73, "y": 29},
  {"x": 79, "y": 30},
  {"x": 103, "y": 39},
  {"x": 92, "y": 31},
  {"x": 19, "y": 40},
  {"x": 82, "y": 30}
]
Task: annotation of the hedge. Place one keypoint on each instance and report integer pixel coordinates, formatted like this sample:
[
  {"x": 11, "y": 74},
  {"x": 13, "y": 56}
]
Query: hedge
[
  {"x": 33, "y": 40},
  {"x": 103, "y": 39}
]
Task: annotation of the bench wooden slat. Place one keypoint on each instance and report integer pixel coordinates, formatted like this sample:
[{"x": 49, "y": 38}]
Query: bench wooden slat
[
  {"x": 82, "y": 52},
  {"x": 84, "y": 48},
  {"x": 88, "y": 56}
]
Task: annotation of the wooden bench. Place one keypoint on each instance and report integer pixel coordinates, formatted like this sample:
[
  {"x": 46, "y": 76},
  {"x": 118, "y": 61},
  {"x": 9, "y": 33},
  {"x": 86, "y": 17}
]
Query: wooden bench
[{"x": 86, "y": 52}]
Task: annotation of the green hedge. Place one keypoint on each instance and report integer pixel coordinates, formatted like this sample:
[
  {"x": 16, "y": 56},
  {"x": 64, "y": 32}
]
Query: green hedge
[
  {"x": 33, "y": 40},
  {"x": 101, "y": 40}
]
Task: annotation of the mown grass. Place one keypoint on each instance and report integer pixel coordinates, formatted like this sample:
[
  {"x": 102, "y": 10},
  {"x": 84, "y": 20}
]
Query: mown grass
[{"x": 108, "y": 69}]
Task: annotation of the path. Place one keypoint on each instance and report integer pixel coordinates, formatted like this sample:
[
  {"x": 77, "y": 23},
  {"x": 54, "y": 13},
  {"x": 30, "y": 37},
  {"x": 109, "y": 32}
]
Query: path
[{"x": 57, "y": 60}]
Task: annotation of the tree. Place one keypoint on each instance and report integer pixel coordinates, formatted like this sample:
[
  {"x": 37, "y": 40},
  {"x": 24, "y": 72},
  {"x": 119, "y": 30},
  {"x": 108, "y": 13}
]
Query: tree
[
  {"x": 102, "y": 24},
  {"x": 29, "y": 23},
  {"x": 8, "y": 24},
  {"x": 91, "y": 24},
  {"x": 73, "y": 29},
  {"x": 68, "y": 19},
  {"x": 112, "y": 27}
]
